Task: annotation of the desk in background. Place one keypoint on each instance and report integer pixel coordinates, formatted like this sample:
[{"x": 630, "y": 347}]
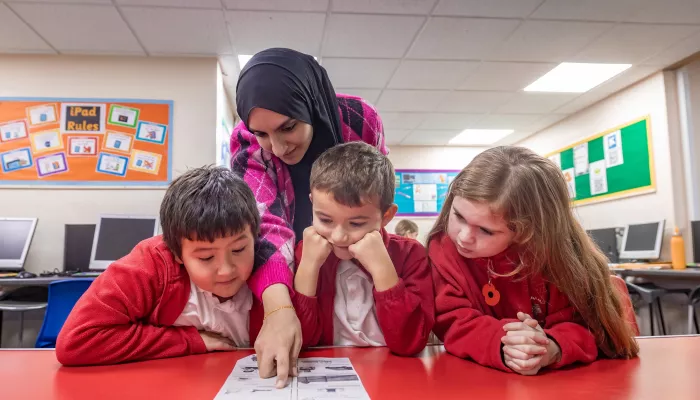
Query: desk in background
[
  {"x": 38, "y": 281},
  {"x": 15, "y": 283},
  {"x": 676, "y": 275},
  {"x": 688, "y": 278},
  {"x": 666, "y": 369}
]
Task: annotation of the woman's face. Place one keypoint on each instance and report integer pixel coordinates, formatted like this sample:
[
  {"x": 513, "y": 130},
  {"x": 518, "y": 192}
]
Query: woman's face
[{"x": 283, "y": 136}]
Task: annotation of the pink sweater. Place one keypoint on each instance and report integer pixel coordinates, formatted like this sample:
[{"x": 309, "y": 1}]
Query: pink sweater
[{"x": 269, "y": 179}]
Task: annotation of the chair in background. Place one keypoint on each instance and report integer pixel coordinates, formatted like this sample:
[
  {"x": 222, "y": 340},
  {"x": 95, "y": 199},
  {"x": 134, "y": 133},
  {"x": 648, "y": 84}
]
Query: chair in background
[
  {"x": 21, "y": 300},
  {"x": 693, "y": 299},
  {"x": 650, "y": 295},
  {"x": 63, "y": 295},
  {"x": 21, "y": 307},
  {"x": 627, "y": 306}
]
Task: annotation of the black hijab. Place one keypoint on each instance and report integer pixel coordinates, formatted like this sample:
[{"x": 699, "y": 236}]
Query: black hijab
[{"x": 295, "y": 85}]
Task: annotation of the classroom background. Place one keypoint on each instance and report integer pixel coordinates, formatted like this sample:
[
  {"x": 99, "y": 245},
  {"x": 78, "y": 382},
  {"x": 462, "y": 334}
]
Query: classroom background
[{"x": 447, "y": 77}]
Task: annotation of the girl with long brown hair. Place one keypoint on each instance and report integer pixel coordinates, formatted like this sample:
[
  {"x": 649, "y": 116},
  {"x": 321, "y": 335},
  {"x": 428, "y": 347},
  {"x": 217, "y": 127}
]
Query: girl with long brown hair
[{"x": 519, "y": 285}]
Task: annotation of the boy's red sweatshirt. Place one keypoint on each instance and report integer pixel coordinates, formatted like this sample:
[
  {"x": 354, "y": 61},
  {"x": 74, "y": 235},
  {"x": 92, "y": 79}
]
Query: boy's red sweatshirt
[
  {"x": 472, "y": 329},
  {"x": 405, "y": 312},
  {"x": 128, "y": 312}
]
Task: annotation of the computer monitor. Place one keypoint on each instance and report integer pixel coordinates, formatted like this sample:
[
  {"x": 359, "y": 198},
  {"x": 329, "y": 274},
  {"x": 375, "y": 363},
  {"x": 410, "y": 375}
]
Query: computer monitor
[
  {"x": 606, "y": 239},
  {"x": 642, "y": 241},
  {"x": 77, "y": 247},
  {"x": 116, "y": 235},
  {"x": 15, "y": 237}
]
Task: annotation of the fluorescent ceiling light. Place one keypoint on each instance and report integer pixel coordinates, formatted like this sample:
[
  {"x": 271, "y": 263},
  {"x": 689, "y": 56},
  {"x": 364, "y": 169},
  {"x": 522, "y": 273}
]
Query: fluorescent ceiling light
[
  {"x": 480, "y": 137},
  {"x": 576, "y": 77},
  {"x": 244, "y": 58}
]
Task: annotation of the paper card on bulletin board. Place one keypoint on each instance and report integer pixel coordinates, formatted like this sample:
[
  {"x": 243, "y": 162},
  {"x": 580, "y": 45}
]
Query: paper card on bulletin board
[
  {"x": 421, "y": 193},
  {"x": 67, "y": 142}
]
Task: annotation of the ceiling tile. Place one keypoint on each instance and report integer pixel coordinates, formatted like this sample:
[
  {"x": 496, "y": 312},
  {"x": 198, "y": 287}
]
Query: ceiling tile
[
  {"x": 547, "y": 121},
  {"x": 584, "y": 101},
  {"x": 369, "y": 95},
  {"x": 65, "y": 1},
  {"x": 415, "y": 74},
  {"x": 16, "y": 36},
  {"x": 211, "y": 4},
  {"x": 487, "y": 8},
  {"x": 415, "y": 7},
  {"x": 395, "y": 136},
  {"x": 410, "y": 100},
  {"x": 474, "y": 102},
  {"x": 253, "y": 31},
  {"x": 675, "y": 53},
  {"x": 506, "y": 121},
  {"x": 461, "y": 38},
  {"x": 408, "y": 121},
  {"x": 430, "y": 137},
  {"x": 76, "y": 28},
  {"x": 627, "y": 78},
  {"x": 450, "y": 121},
  {"x": 514, "y": 138},
  {"x": 632, "y": 43},
  {"x": 277, "y": 5},
  {"x": 349, "y": 35},
  {"x": 548, "y": 41},
  {"x": 536, "y": 103},
  {"x": 359, "y": 73},
  {"x": 666, "y": 11},
  {"x": 586, "y": 10},
  {"x": 179, "y": 31},
  {"x": 522, "y": 134},
  {"x": 505, "y": 76}
]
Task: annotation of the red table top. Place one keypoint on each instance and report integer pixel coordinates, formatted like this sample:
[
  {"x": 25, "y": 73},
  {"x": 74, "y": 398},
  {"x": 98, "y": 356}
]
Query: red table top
[{"x": 668, "y": 368}]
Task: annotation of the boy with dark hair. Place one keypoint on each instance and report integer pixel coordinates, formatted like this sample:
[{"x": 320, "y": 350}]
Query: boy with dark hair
[
  {"x": 355, "y": 283},
  {"x": 183, "y": 292}
]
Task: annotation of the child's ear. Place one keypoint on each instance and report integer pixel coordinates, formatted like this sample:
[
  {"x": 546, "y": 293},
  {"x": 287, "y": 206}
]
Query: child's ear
[
  {"x": 389, "y": 215},
  {"x": 311, "y": 198}
]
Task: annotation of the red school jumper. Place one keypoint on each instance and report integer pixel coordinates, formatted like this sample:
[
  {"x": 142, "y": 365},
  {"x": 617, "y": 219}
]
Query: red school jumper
[
  {"x": 128, "y": 312},
  {"x": 405, "y": 312},
  {"x": 472, "y": 329}
]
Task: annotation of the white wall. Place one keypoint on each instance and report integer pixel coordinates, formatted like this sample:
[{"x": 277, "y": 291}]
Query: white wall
[
  {"x": 224, "y": 121},
  {"x": 648, "y": 97},
  {"x": 409, "y": 157},
  {"x": 189, "y": 82}
]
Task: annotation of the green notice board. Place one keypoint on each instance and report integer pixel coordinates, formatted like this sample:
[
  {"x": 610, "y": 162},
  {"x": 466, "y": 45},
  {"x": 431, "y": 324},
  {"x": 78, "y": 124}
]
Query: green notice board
[{"x": 613, "y": 164}]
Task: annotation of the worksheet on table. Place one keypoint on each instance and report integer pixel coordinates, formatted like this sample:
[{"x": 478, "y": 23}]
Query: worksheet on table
[{"x": 319, "y": 379}]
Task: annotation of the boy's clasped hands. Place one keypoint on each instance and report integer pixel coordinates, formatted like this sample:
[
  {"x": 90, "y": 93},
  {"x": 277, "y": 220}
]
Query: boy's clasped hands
[{"x": 526, "y": 348}]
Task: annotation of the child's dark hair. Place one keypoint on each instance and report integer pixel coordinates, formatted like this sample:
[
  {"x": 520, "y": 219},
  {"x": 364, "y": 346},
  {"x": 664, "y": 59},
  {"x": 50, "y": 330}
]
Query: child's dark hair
[
  {"x": 205, "y": 204},
  {"x": 355, "y": 173}
]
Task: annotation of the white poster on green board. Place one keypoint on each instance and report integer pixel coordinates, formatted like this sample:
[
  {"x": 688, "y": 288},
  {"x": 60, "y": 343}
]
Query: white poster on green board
[
  {"x": 599, "y": 178},
  {"x": 581, "y": 159},
  {"x": 613, "y": 149},
  {"x": 570, "y": 182}
]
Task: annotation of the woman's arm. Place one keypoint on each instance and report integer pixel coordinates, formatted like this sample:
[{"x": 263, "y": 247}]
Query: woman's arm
[
  {"x": 279, "y": 341},
  {"x": 274, "y": 255}
]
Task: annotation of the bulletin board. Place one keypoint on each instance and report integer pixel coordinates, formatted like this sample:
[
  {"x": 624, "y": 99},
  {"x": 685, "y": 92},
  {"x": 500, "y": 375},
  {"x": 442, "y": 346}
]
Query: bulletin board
[
  {"x": 616, "y": 163},
  {"x": 85, "y": 142},
  {"x": 421, "y": 193}
]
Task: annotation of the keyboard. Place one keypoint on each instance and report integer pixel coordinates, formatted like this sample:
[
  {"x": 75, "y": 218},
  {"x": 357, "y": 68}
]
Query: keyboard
[{"x": 86, "y": 274}]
